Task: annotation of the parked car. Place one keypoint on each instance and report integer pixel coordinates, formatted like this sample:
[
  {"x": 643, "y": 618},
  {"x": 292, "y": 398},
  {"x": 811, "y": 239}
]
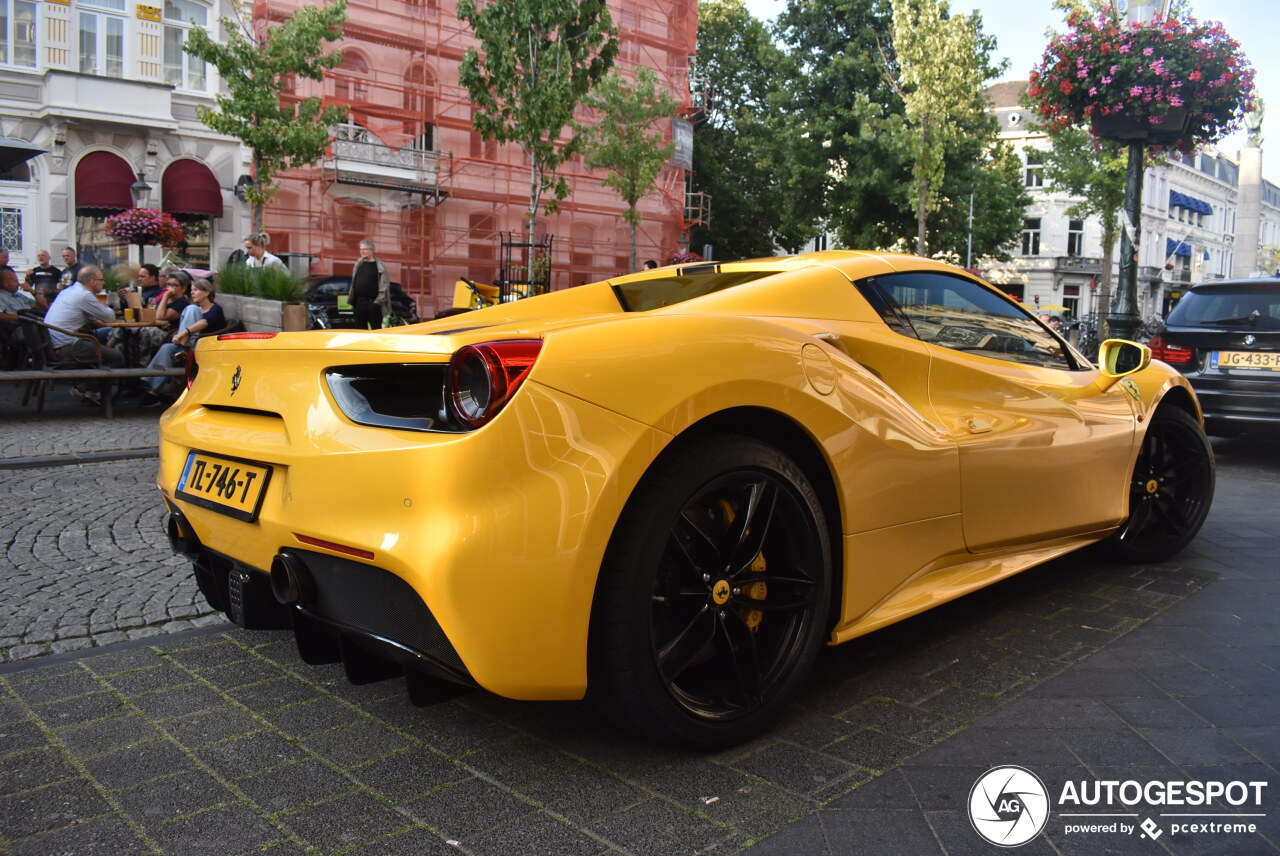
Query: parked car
[
  {"x": 1224, "y": 337},
  {"x": 323, "y": 293},
  {"x": 669, "y": 490}
]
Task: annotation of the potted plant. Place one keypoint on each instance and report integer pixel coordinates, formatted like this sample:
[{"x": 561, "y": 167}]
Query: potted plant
[
  {"x": 1173, "y": 82},
  {"x": 263, "y": 299}
]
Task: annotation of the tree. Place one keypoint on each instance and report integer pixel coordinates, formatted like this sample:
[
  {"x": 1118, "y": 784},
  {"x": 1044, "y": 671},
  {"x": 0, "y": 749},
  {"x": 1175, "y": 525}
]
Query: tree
[
  {"x": 1092, "y": 171},
  {"x": 254, "y": 61},
  {"x": 938, "y": 71},
  {"x": 624, "y": 141},
  {"x": 745, "y": 152},
  {"x": 541, "y": 58}
]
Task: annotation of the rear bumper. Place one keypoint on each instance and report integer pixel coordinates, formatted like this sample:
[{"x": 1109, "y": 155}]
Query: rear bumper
[
  {"x": 1238, "y": 402},
  {"x": 363, "y": 616},
  {"x": 494, "y": 537}
]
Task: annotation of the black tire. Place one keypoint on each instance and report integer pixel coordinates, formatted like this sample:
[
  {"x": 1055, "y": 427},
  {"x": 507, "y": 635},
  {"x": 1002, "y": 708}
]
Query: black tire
[
  {"x": 1170, "y": 491},
  {"x": 687, "y": 646}
]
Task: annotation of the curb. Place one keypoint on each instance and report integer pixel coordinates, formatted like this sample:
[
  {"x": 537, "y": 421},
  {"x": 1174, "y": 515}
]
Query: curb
[{"x": 77, "y": 458}]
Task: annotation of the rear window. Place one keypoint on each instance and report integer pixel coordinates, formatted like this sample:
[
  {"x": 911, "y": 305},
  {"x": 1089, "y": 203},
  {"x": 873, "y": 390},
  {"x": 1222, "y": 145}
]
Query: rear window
[
  {"x": 649, "y": 294},
  {"x": 1250, "y": 305}
]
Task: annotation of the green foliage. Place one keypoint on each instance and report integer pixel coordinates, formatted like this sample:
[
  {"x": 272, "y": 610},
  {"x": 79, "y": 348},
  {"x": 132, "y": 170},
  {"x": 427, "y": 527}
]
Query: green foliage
[
  {"x": 268, "y": 283},
  {"x": 625, "y": 141},
  {"x": 236, "y": 279},
  {"x": 765, "y": 176},
  {"x": 255, "y": 61},
  {"x": 540, "y": 59},
  {"x": 938, "y": 71}
]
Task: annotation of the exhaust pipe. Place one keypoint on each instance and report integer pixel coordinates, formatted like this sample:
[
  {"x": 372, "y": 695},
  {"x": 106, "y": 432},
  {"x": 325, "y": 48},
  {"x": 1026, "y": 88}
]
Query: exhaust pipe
[
  {"x": 290, "y": 580},
  {"x": 182, "y": 538}
]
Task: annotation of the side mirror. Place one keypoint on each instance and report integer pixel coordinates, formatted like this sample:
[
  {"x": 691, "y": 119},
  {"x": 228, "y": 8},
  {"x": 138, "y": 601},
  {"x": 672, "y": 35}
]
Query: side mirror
[{"x": 1119, "y": 358}]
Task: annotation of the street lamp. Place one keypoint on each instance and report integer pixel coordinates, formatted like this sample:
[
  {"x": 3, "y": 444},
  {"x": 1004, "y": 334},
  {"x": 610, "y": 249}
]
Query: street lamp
[
  {"x": 1123, "y": 320},
  {"x": 140, "y": 191}
]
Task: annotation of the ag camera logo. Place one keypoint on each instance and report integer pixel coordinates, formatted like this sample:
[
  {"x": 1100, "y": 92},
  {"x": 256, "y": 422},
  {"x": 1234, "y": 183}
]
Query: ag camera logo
[{"x": 1008, "y": 806}]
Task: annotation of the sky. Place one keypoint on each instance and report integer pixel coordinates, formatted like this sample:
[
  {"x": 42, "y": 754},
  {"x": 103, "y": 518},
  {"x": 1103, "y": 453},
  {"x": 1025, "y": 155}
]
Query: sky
[{"x": 1020, "y": 26}]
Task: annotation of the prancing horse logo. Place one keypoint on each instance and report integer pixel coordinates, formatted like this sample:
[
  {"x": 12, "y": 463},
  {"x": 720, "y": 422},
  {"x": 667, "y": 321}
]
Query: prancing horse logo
[{"x": 235, "y": 381}]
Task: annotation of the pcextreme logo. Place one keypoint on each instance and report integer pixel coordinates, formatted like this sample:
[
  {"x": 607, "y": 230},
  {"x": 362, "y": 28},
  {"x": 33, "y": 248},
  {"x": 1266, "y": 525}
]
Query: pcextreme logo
[{"x": 1009, "y": 806}]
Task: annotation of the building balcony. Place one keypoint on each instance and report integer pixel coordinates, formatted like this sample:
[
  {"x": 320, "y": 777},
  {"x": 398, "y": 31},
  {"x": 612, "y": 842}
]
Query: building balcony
[
  {"x": 359, "y": 158},
  {"x": 1078, "y": 264},
  {"x": 70, "y": 95}
]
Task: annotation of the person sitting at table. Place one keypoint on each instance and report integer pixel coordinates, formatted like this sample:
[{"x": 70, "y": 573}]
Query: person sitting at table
[
  {"x": 200, "y": 316},
  {"x": 169, "y": 305},
  {"x": 77, "y": 308},
  {"x": 149, "y": 284}
]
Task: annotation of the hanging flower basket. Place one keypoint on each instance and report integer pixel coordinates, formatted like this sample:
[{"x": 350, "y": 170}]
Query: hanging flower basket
[
  {"x": 1173, "y": 83},
  {"x": 683, "y": 257},
  {"x": 145, "y": 226}
]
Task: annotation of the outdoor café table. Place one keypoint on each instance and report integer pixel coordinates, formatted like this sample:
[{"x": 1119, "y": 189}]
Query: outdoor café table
[{"x": 129, "y": 337}]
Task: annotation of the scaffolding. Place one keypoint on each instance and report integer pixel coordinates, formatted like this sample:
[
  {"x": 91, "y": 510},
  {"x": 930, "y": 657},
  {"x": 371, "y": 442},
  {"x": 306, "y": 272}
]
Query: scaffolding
[{"x": 408, "y": 171}]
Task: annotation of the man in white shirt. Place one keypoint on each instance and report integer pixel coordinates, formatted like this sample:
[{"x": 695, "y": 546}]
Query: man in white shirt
[{"x": 77, "y": 306}]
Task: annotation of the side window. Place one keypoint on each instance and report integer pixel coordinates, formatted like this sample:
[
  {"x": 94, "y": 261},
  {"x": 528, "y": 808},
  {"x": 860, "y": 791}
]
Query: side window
[{"x": 956, "y": 313}]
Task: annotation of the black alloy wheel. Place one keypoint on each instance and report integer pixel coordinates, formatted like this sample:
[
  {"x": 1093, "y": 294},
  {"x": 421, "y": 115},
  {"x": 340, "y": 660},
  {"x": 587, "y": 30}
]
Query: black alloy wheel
[
  {"x": 1170, "y": 491},
  {"x": 714, "y": 598}
]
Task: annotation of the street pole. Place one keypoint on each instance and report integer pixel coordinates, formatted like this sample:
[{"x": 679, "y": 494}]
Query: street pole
[
  {"x": 1123, "y": 321},
  {"x": 968, "y": 253}
]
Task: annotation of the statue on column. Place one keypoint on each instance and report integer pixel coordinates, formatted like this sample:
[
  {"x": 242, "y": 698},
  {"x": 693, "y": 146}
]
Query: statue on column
[{"x": 1253, "y": 121}]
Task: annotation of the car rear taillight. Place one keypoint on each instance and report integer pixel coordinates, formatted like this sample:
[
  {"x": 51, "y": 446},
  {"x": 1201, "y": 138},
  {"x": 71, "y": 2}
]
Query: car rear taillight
[
  {"x": 189, "y": 357},
  {"x": 1169, "y": 352},
  {"x": 224, "y": 337},
  {"x": 483, "y": 377}
]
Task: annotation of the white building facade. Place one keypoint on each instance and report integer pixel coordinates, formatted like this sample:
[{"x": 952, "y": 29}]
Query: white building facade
[
  {"x": 105, "y": 91},
  {"x": 1189, "y": 230}
]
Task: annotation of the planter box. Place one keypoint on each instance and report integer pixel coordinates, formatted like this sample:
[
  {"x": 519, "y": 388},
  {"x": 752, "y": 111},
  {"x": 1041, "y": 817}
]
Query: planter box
[
  {"x": 1128, "y": 128},
  {"x": 265, "y": 316}
]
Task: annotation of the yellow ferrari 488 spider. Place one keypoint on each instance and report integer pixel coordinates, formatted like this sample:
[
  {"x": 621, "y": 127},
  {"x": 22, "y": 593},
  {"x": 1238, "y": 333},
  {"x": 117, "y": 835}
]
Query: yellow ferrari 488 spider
[{"x": 667, "y": 490}]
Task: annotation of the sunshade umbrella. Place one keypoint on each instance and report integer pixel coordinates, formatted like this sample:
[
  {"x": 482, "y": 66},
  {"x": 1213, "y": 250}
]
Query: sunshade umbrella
[{"x": 14, "y": 152}]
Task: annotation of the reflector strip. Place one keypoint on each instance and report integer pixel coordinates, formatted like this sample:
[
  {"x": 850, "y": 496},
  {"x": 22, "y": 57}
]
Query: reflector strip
[{"x": 337, "y": 548}]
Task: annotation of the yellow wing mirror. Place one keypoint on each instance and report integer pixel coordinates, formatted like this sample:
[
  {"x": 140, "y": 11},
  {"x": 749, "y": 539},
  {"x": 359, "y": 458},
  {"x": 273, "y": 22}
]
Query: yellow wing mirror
[{"x": 1119, "y": 358}]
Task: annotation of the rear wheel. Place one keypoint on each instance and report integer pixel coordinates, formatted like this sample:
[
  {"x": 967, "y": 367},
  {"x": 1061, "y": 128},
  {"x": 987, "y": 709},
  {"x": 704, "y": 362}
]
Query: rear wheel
[
  {"x": 713, "y": 598},
  {"x": 1170, "y": 491}
]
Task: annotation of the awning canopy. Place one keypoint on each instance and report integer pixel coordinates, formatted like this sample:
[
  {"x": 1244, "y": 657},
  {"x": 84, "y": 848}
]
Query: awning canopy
[
  {"x": 1179, "y": 248},
  {"x": 14, "y": 152},
  {"x": 102, "y": 184},
  {"x": 1181, "y": 200},
  {"x": 189, "y": 189}
]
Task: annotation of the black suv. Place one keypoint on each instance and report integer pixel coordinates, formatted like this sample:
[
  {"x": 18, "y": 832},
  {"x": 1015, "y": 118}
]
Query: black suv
[
  {"x": 323, "y": 292},
  {"x": 1225, "y": 337}
]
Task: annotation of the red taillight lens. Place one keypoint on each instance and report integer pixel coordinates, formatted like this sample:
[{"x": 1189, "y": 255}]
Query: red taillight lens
[
  {"x": 224, "y": 337},
  {"x": 483, "y": 377},
  {"x": 1169, "y": 352},
  {"x": 189, "y": 358}
]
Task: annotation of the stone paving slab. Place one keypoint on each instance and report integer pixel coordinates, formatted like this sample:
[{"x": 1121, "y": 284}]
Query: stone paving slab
[{"x": 227, "y": 740}]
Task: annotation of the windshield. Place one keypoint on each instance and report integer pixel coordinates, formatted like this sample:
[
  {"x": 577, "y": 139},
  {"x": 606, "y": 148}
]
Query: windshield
[
  {"x": 643, "y": 295},
  {"x": 1252, "y": 306}
]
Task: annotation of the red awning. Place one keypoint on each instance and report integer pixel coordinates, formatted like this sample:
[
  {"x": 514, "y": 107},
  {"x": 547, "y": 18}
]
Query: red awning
[
  {"x": 188, "y": 187},
  {"x": 102, "y": 184}
]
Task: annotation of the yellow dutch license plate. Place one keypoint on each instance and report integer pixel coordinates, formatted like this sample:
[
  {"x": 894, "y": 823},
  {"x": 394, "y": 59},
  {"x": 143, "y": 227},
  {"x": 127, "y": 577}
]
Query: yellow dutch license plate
[
  {"x": 229, "y": 486},
  {"x": 1245, "y": 360}
]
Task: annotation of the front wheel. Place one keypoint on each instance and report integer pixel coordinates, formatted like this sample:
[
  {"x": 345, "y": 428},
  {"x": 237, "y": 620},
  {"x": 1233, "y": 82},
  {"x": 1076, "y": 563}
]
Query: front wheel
[
  {"x": 1170, "y": 491},
  {"x": 713, "y": 598}
]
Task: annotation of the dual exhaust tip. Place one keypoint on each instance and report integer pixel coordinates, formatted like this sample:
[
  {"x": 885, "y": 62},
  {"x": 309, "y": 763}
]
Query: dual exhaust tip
[{"x": 291, "y": 582}]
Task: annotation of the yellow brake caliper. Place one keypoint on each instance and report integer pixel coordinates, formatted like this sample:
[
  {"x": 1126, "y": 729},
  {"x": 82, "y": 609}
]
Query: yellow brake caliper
[{"x": 755, "y": 591}]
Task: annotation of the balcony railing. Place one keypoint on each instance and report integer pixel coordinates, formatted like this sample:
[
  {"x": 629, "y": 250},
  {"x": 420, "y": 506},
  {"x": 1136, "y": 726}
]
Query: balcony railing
[
  {"x": 356, "y": 149},
  {"x": 1079, "y": 264}
]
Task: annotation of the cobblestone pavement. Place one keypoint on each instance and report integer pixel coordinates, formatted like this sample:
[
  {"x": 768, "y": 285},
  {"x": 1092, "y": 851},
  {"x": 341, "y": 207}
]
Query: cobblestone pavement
[{"x": 221, "y": 741}]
